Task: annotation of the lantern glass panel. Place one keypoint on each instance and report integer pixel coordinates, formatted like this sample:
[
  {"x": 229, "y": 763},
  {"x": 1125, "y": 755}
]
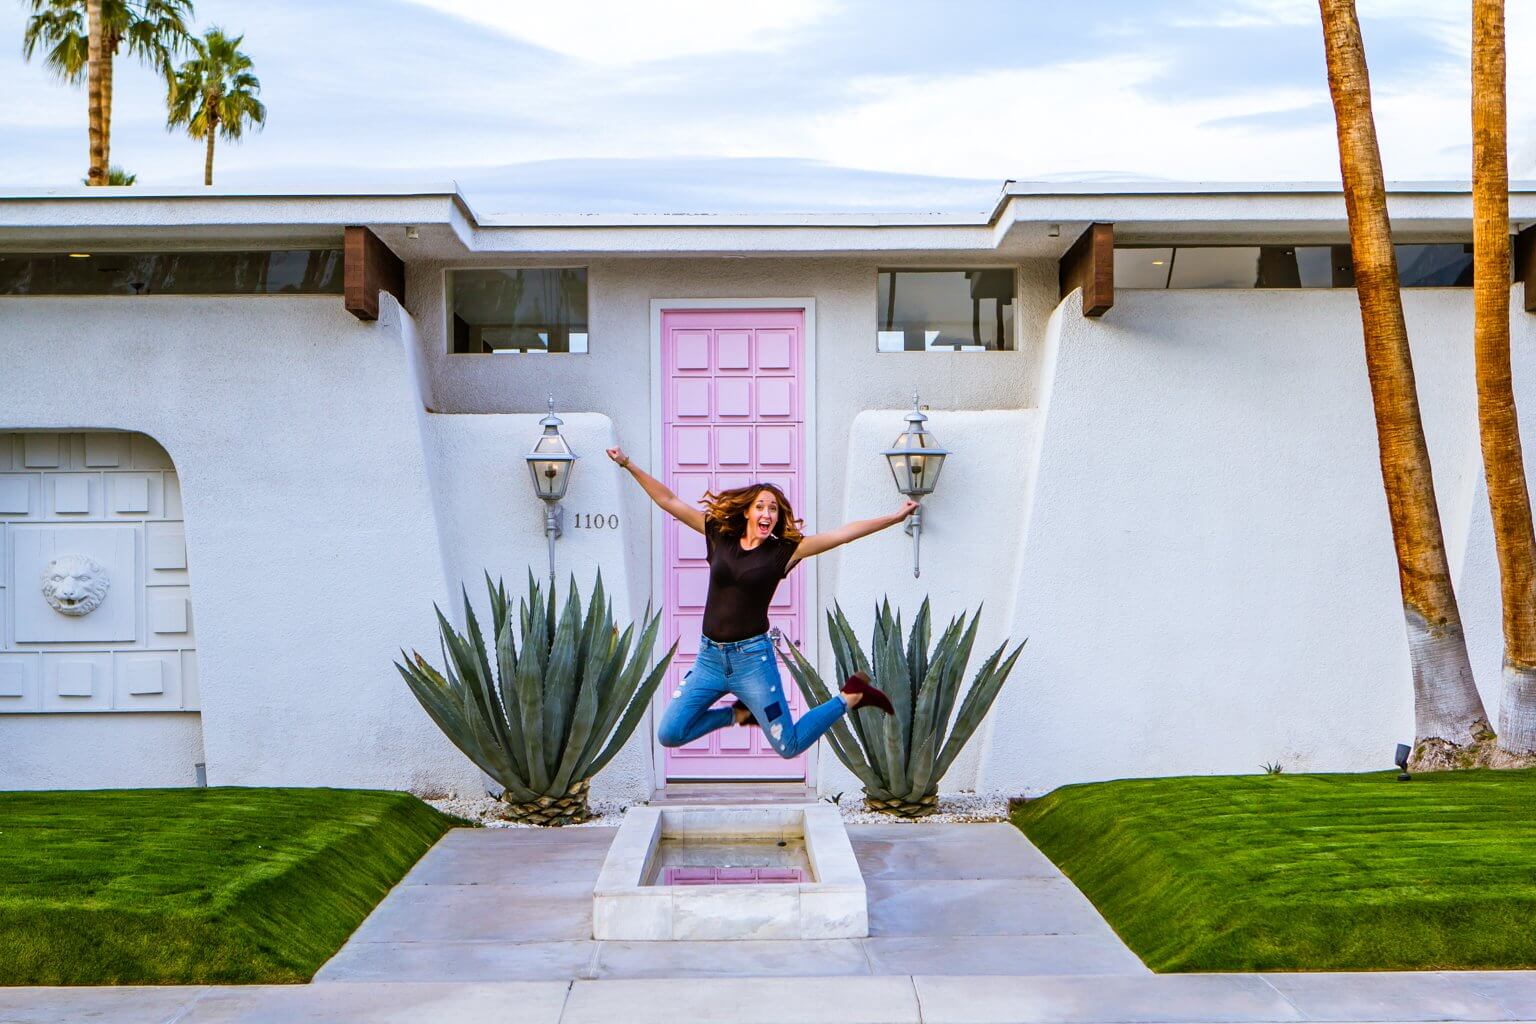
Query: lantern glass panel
[
  {"x": 550, "y": 477},
  {"x": 551, "y": 444},
  {"x": 925, "y": 472}
]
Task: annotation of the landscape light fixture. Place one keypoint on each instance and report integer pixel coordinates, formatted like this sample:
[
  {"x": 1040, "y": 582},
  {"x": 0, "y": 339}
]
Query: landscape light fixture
[
  {"x": 1401, "y": 760},
  {"x": 915, "y": 459},
  {"x": 549, "y": 463}
]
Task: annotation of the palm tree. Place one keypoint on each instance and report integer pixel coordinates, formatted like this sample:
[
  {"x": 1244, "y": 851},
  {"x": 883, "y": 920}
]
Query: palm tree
[
  {"x": 1450, "y": 724},
  {"x": 214, "y": 93},
  {"x": 1497, "y": 419},
  {"x": 83, "y": 38},
  {"x": 115, "y": 176}
]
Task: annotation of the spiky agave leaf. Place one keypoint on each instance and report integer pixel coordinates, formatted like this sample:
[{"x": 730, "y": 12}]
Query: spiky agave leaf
[
  {"x": 543, "y": 717},
  {"x": 901, "y": 758},
  {"x": 561, "y": 681},
  {"x": 844, "y": 744}
]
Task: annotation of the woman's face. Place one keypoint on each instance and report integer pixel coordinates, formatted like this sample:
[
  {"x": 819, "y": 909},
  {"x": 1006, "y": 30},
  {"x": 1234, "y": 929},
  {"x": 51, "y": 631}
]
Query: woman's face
[{"x": 763, "y": 516}]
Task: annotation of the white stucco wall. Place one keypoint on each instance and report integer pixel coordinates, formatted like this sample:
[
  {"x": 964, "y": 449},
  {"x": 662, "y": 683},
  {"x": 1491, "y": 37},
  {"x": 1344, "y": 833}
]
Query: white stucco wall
[
  {"x": 1208, "y": 579},
  {"x": 970, "y": 545},
  {"x": 89, "y": 751},
  {"x": 1179, "y": 505},
  {"x": 851, "y": 376},
  {"x": 491, "y": 521},
  {"x": 310, "y": 528}
]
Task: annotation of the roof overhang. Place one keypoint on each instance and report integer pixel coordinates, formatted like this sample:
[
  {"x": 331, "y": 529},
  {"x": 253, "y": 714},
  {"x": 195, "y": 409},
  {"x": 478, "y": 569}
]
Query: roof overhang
[{"x": 435, "y": 223}]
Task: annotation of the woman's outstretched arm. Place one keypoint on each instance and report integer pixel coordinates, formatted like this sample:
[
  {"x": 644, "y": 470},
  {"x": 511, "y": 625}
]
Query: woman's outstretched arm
[
  {"x": 817, "y": 543},
  {"x": 689, "y": 515}
]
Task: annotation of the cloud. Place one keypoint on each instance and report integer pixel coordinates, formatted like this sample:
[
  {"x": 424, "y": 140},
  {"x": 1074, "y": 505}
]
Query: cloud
[
  {"x": 713, "y": 184},
  {"x": 624, "y": 32},
  {"x": 803, "y": 105},
  {"x": 1308, "y": 115}
]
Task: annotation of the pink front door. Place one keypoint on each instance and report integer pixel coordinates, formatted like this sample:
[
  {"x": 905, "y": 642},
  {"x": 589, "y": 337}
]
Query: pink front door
[{"x": 732, "y": 415}]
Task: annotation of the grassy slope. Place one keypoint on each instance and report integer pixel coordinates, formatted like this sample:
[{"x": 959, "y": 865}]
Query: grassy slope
[
  {"x": 1307, "y": 872},
  {"x": 195, "y": 885}
]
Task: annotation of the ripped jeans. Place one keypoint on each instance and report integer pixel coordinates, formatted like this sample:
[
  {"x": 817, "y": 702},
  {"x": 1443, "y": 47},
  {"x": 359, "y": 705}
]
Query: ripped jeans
[{"x": 749, "y": 669}]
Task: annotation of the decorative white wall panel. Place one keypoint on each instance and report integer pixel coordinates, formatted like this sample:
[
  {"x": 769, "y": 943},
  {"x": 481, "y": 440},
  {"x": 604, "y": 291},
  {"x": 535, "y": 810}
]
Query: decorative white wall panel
[
  {"x": 112, "y": 553},
  {"x": 117, "y": 633}
]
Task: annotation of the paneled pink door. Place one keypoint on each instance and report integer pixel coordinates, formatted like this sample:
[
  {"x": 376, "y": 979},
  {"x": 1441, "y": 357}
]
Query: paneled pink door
[{"x": 732, "y": 415}]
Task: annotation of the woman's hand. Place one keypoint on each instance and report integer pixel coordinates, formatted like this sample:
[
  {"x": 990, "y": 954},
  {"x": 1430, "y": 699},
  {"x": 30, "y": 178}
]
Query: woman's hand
[
  {"x": 617, "y": 455},
  {"x": 907, "y": 508}
]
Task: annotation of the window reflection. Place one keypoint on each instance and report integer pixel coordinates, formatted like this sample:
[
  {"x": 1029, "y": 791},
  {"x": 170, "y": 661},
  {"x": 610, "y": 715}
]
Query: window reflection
[
  {"x": 1434, "y": 266},
  {"x": 1236, "y": 267},
  {"x": 945, "y": 310},
  {"x": 1142, "y": 268},
  {"x": 527, "y": 312},
  {"x": 279, "y": 272},
  {"x": 1437, "y": 265}
]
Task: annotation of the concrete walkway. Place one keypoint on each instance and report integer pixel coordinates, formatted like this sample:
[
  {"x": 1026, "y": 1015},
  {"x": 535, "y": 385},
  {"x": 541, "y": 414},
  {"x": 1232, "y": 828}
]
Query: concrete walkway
[
  {"x": 969, "y": 925},
  {"x": 516, "y": 905},
  {"x": 950, "y": 999}
]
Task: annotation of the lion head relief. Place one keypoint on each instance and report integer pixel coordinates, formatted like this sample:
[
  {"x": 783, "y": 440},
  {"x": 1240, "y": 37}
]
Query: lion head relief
[{"x": 75, "y": 584}]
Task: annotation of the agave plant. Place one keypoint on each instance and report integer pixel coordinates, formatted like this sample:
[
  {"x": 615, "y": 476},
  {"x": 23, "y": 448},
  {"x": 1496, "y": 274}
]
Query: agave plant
[
  {"x": 900, "y": 758},
  {"x": 544, "y": 719}
]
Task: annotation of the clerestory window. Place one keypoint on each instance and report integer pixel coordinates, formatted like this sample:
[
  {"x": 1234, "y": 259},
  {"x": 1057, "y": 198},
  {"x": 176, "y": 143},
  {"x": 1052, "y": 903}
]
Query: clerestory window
[
  {"x": 945, "y": 310},
  {"x": 518, "y": 312},
  {"x": 1433, "y": 265}
]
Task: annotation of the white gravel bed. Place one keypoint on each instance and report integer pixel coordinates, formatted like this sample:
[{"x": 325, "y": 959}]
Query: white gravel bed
[
  {"x": 488, "y": 810},
  {"x": 953, "y": 809}
]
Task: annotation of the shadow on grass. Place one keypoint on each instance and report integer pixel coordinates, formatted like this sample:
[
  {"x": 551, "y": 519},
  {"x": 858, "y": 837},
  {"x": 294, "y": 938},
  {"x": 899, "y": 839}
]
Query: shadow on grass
[{"x": 195, "y": 886}]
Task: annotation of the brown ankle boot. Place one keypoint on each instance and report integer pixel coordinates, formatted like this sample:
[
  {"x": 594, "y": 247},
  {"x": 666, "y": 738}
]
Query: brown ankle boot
[{"x": 868, "y": 694}]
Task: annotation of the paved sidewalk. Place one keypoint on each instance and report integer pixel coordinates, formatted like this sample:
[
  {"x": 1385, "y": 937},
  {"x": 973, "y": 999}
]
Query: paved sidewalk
[
  {"x": 516, "y": 905},
  {"x": 949, "y": 999}
]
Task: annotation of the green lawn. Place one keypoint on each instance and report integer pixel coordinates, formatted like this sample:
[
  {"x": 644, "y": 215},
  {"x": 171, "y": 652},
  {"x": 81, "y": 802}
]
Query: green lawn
[
  {"x": 1305, "y": 872},
  {"x": 180, "y": 886}
]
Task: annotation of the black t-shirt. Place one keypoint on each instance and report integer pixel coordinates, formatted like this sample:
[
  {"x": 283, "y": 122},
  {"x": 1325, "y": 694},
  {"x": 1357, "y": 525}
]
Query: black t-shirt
[{"x": 741, "y": 583}]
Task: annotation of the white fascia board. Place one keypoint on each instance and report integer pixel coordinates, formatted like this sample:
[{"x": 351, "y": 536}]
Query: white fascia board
[
  {"x": 1233, "y": 188},
  {"x": 1021, "y": 226},
  {"x": 1298, "y": 213}
]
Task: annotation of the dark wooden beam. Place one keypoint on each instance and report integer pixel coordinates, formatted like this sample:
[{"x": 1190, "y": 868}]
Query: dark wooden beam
[
  {"x": 1525, "y": 265},
  {"x": 1090, "y": 265},
  {"x": 369, "y": 267}
]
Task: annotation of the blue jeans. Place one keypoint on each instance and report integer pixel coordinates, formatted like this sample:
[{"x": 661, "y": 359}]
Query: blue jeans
[{"x": 749, "y": 669}]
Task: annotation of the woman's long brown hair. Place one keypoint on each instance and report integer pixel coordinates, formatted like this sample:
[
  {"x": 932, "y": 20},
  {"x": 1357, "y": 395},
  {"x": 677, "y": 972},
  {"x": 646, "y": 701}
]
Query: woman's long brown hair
[{"x": 728, "y": 511}]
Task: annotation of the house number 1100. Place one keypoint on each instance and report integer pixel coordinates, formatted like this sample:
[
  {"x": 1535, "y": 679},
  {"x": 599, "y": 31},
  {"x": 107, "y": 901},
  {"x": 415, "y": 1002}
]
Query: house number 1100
[{"x": 591, "y": 521}]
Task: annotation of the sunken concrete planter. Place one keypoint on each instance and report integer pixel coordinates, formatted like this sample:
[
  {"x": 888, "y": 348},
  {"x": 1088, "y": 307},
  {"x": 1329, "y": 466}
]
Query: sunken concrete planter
[{"x": 632, "y": 900}]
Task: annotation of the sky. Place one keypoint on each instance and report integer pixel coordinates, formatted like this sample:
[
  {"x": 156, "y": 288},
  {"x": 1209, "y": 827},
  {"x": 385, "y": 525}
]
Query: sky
[{"x": 675, "y": 106}]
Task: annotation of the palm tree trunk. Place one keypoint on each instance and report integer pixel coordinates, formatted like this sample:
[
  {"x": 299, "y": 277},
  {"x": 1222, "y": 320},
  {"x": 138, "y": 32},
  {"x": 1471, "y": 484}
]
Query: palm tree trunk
[
  {"x": 1497, "y": 419},
  {"x": 109, "y": 45},
  {"x": 94, "y": 73},
  {"x": 1448, "y": 713},
  {"x": 210, "y": 104}
]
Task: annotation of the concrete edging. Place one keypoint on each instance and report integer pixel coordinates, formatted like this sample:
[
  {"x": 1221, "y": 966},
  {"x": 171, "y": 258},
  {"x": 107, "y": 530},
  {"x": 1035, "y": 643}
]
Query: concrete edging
[{"x": 894, "y": 999}]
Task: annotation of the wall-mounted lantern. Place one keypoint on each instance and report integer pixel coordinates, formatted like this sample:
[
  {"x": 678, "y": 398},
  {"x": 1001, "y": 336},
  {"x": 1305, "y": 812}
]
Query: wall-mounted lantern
[
  {"x": 549, "y": 463},
  {"x": 916, "y": 459}
]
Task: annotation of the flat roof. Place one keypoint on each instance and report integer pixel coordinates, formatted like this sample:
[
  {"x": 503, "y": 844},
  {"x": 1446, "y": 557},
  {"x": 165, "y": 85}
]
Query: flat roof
[{"x": 1028, "y": 220}]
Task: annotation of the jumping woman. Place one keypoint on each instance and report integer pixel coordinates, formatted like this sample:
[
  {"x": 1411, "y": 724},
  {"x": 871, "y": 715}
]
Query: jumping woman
[{"x": 753, "y": 540}]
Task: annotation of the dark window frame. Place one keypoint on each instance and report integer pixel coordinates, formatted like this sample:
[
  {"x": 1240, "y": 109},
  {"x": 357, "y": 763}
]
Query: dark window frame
[
  {"x": 1012, "y": 319},
  {"x": 461, "y": 332}
]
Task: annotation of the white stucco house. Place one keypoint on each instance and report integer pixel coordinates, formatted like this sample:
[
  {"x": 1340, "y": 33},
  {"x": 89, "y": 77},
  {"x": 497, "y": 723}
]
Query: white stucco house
[{"x": 282, "y": 425}]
